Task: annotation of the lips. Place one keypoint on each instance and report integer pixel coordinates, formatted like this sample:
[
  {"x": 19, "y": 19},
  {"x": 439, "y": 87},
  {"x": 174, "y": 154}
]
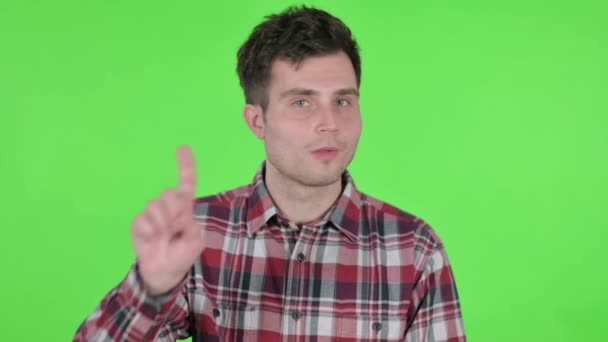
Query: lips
[
  {"x": 325, "y": 153},
  {"x": 326, "y": 149}
]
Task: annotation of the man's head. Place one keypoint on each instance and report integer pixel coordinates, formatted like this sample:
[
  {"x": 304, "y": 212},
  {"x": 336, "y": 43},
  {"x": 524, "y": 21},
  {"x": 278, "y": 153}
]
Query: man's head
[
  {"x": 300, "y": 71},
  {"x": 295, "y": 34}
]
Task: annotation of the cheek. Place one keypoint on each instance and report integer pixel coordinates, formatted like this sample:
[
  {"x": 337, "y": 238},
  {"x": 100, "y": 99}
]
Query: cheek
[
  {"x": 358, "y": 124},
  {"x": 353, "y": 128},
  {"x": 283, "y": 137}
]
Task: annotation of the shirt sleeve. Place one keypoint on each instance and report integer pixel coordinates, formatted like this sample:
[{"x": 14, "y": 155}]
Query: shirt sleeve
[
  {"x": 435, "y": 314},
  {"x": 129, "y": 313}
]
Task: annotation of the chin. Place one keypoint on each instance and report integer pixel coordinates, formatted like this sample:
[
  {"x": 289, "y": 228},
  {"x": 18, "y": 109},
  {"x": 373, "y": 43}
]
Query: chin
[
  {"x": 309, "y": 173},
  {"x": 324, "y": 179}
]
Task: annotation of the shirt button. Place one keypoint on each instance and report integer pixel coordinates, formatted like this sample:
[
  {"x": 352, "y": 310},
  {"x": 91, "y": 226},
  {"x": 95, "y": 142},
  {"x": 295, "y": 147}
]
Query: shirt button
[
  {"x": 295, "y": 315},
  {"x": 301, "y": 257},
  {"x": 377, "y": 326},
  {"x": 216, "y": 312}
]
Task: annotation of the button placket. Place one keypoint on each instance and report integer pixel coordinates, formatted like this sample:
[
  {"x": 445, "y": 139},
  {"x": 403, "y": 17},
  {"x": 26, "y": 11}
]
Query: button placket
[
  {"x": 300, "y": 257},
  {"x": 295, "y": 282}
]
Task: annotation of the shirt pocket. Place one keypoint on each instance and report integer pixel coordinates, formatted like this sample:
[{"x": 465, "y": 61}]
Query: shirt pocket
[
  {"x": 236, "y": 322},
  {"x": 370, "y": 328}
]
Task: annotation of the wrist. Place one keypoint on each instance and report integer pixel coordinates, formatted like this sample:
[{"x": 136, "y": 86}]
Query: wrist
[{"x": 160, "y": 285}]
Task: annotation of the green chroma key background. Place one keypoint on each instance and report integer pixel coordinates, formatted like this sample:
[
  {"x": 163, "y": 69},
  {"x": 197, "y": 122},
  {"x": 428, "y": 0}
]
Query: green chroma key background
[{"x": 487, "y": 120}]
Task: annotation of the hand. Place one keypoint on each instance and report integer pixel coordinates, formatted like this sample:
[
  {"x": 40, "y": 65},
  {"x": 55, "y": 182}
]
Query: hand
[{"x": 165, "y": 236}]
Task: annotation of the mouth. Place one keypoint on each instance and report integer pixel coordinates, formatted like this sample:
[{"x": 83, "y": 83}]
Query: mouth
[
  {"x": 325, "y": 153},
  {"x": 326, "y": 149}
]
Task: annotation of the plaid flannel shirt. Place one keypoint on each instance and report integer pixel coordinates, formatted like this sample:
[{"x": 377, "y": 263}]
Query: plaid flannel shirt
[{"x": 365, "y": 271}]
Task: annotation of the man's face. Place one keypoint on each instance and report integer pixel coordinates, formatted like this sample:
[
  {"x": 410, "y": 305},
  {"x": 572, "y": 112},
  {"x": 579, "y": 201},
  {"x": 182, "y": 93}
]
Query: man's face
[{"x": 312, "y": 122}]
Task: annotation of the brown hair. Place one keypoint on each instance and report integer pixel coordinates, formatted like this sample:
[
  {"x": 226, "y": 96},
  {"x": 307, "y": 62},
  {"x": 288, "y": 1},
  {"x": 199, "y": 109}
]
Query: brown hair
[{"x": 295, "y": 34}]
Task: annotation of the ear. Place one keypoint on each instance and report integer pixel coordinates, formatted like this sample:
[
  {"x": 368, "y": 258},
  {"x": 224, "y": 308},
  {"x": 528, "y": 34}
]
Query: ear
[{"x": 254, "y": 118}]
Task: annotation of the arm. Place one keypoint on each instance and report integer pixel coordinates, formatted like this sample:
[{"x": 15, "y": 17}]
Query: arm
[
  {"x": 129, "y": 313},
  {"x": 435, "y": 314},
  {"x": 150, "y": 303}
]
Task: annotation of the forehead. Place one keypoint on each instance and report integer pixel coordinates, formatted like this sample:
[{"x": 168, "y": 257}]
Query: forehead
[{"x": 327, "y": 72}]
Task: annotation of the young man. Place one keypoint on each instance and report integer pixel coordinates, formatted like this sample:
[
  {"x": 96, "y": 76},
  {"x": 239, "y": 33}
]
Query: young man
[{"x": 300, "y": 254}]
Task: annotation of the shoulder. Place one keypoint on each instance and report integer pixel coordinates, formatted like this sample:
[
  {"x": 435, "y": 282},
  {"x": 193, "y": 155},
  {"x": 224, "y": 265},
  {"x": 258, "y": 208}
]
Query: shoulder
[
  {"x": 221, "y": 205},
  {"x": 419, "y": 243},
  {"x": 404, "y": 224}
]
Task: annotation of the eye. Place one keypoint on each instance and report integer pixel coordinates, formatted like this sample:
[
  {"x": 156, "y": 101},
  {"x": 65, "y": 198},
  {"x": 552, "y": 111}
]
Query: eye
[
  {"x": 301, "y": 103},
  {"x": 342, "y": 102}
]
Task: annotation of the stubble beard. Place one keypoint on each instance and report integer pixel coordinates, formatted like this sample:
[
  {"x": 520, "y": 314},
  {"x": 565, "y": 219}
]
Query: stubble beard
[{"x": 323, "y": 176}]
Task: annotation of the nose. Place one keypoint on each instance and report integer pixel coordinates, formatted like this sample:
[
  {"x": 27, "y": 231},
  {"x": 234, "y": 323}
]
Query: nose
[{"x": 328, "y": 122}]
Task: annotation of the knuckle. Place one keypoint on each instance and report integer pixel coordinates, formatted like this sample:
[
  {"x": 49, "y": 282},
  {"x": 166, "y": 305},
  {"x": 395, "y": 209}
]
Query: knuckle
[
  {"x": 172, "y": 202},
  {"x": 137, "y": 220},
  {"x": 152, "y": 204},
  {"x": 136, "y": 231},
  {"x": 166, "y": 193},
  {"x": 153, "y": 211}
]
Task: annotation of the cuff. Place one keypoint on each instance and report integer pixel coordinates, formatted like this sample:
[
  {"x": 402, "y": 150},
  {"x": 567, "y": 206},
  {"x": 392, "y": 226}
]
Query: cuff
[{"x": 153, "y": 307}]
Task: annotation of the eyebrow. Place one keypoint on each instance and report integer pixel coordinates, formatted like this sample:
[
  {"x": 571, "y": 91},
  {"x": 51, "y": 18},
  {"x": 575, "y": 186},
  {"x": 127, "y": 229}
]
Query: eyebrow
[{"x": 308, "y": 92}]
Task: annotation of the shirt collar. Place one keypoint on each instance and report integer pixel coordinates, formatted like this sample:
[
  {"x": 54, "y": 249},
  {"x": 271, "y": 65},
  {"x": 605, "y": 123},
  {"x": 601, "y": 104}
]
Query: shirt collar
[{"x": 344, "y": 213}]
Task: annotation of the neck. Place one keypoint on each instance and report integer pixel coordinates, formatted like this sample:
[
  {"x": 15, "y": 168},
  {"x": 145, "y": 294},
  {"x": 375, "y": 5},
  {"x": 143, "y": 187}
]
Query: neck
[{"x": 300, "y": 203}]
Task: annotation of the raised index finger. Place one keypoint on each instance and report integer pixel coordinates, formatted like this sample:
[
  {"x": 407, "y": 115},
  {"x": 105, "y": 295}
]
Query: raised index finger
[{"x": 187, "y": 171}]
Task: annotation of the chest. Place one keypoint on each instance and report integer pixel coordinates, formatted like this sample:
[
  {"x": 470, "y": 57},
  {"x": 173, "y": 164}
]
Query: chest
[{"x": 275, "y": 285}]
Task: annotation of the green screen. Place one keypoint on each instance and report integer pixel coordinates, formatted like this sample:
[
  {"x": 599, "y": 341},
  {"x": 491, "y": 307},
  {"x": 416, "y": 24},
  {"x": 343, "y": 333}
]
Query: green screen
[{"x": 487, "y": 119}]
